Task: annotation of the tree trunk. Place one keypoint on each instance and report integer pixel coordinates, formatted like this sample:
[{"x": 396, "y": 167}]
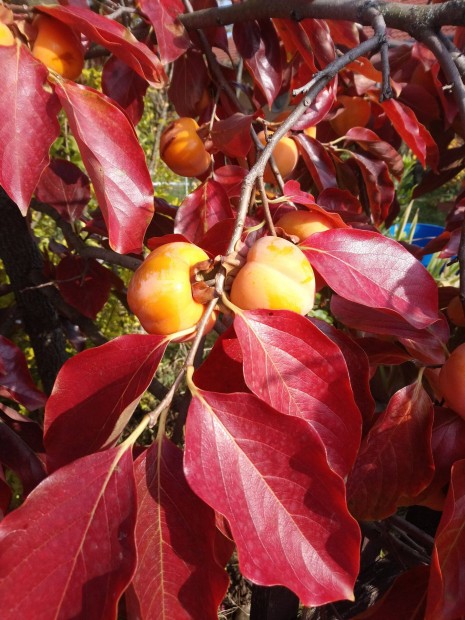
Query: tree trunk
[{"x": 23, "y": 264}]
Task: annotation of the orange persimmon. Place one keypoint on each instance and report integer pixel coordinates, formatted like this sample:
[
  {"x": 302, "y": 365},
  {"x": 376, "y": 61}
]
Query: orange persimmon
[
  {"x": 58, "y": 47},
  {"x": 182, "y": 150},
  {"x": 285, "y": 156}
]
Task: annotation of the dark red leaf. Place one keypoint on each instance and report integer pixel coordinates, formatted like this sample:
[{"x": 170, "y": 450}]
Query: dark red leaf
[
  {"x": 114, "y": 37},
  {"x": 293, "y": 193},
  {"x": 125, "y": 86},
  {"x": 115, "y": 162},
  {"x": 172, "y": 38},
  {"x": 267, "y": 474},
  {"x": 189, "y": 83},
  {"x": 318, "y": 162},
  {"x": 64, "y": 187},
  {"x": 379, "y": 186},
  {"x": 177, "y": 575},
  {"x": 222, "y": 370},
  {"x": 96, "y": 393},
  {"x": 380, "y": 149},
  {"x": 231, "y": 178},
  {"x": 15, "y": 379},
  {"x": 319, "y": 108},
  {"x": 412, "y": 132},
  {"x": 54, "y": 542},
  {"x": 232, "y": 136},
  {"x": 320, "y": 40},
  {"x": 5, "y": 494},
  {"x": 290, "y": 364},
  {"x": 446, "y": 596},
  {"x": 29, "y": 125},
  {"x": 258, "y": 44},
  {"x": 216, "y": 240},
  {"x": 86, "y": 284},
  {"x": 405, "y": 599},
  {"x": 368, "y": 268},
  {"x": 341, "y": 200},
  {"x": 382, "y": 352},
  {"x": 29, "y": 430},
  {"x": 18, "y": 456},
  {"x": 203, "y": 208},
  {"x": 395, "y": 459}
]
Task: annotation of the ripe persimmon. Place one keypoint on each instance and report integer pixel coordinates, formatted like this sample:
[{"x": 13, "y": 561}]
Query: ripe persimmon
[
  {"x": 6, "y": 36},
  {"x": 285, "y": 156},
  {"x": 160, "y": 291},
  {"x": 276, "y": 276},
  {"x": 58, "y": 47},
  {"x": 302, "y": 224},
  {"x": 182, "y": 150},
  {"x": 451, "y": 380}
]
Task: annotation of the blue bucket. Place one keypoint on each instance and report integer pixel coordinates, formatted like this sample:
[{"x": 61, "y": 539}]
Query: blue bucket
[{"x": 422, "y": 235}]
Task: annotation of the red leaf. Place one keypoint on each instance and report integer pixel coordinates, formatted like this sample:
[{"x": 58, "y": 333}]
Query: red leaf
[
  {"x": 368, "y": 268},
  {"x": 267, "y": 474},
  {"x": 86, "y": 284},
  {"x": 125, "y": 86},
  {"x": 319, "y": 108},
  {"x": 290, "y": 364},
  {"x": 373, "y": 144},
  {"x": 216, "y": 240},
  {"x": 54, "y": 542},
  {"x": 405, "y": 599},
  {"x": 96, "y": 393},
  {"x": 189, "y": 83},
  {"x": 378, "y": 184},
  {"x": 231, "y": 178},
  {"x": 177, "y": 575},
  {"x": 20, "y": 458},
  {"x": 341, "y": 200},
  {"x": 320, "y": 40},
  {"x": 318, "y": 162},
  {"x": 395, "y": 458},
  {"x": 29, "y": 430},
  {"x": 293, "y": 193},
  {"x": 15, "y": 379},
  {"x": 203, "y": 208},
  {"x": 114, "y": 37},
  {"x": 115, "y": 162},
  {"x": 172, "y": 37},
  {"x": 258, "y": 44},
  {"x": 427, "y": 345},
  {"x": 64, "y": 187},
  {"x": 29, "y": 124},
  {"x": 232, "y": 136},
  {"x": 446, "y": 596},
  {"x": 412, "y": 132}
]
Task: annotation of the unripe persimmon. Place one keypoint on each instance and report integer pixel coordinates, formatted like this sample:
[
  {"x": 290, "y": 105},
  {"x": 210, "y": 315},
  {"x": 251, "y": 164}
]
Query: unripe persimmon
[
  {"x": 285, "y": 156},
  {"x": 455, "y": 312},
  {"x": 182, "y": 149},
  {"x": 160, "y": 291},
  {"x": 302, "y": 224},
  {"x": 276, "y": 276},
  {"x": 6, "y": 36},
  {"x": 58, "y": 47},
  {"x": 452, "y": 380}
]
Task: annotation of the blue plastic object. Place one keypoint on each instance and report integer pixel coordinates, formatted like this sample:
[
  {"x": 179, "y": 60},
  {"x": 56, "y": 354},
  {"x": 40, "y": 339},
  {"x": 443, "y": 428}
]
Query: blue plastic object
[{"x": 422, "y": 235}]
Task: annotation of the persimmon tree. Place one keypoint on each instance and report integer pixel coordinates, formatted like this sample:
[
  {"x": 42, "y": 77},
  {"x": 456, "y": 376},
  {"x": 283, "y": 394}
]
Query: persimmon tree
[{"x": 315, "y": 448}]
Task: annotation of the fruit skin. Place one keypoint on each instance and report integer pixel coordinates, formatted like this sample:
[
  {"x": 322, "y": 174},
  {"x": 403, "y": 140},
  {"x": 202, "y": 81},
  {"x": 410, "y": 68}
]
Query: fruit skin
[
  {"x": 302, "y": 224},
  {"x": 6, "y": 36},
  {"x": 452, "y": 380},
  {"x": 160, "y": 293},
  {"x": 182, "y": 150},
  {"x": 276, "y": 276},
  {"x": 57, "y": 46},
  {"x": 285, "y": 156},
  {"x": 455, "y": 312}
]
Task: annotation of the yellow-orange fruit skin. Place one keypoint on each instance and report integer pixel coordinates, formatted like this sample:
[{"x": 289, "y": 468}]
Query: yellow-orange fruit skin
[
  {"x": 6, "y": 36},
  {"x": 58, "y": 47},
  {"x": 452, "y": 380},
  {"x": 302, "y": 224},
  {"x": 276, "y": 276},
  {"x": 160, "y": 292},
  {"x": 455, "y": 312},
  {"x": 182, "y": 150},
  {"x": 285, "y": 156}
]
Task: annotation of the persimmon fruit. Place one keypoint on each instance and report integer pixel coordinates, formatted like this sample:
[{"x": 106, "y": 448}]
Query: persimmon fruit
[
  {"x": 182, "y": 150},
  {"x": 355, "y": 112},
  {"x": 6, "y": 36},
  {"x": 302, "y": 224},
  {"x": 58, "y": 47},
  {"x": 160, "y": 291},
  {"x": 455, "y": 312},
  {"x": 276, "y": 276},
  {"x": 285, "y": 156},
  {"x": 451, "y": 380}
]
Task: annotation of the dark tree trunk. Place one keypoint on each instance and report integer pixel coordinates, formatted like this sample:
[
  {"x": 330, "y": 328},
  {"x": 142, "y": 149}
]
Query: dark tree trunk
[
  {"x": 23, "y": 264},
  {"x": 275, "y": 603}
]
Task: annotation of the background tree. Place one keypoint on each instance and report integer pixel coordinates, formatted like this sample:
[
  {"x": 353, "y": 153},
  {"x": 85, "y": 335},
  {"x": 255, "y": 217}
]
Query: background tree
[{"x": 309, "y": 450}]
